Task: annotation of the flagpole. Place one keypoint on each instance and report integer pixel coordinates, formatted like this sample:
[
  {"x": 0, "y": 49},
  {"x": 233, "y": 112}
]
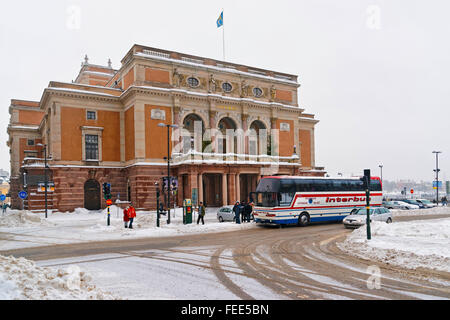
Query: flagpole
[{"x": 223, "y": 34}]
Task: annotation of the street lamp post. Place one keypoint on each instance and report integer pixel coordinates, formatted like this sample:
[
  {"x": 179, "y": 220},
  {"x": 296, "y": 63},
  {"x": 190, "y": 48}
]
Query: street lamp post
[
  {"x": 168, "y": 165},
  {"x": 157, "y": 204},
  {"x": 437, "y": 176},
  {"x": 381, "y": 173},
  {"x": 45, "y": 175}
]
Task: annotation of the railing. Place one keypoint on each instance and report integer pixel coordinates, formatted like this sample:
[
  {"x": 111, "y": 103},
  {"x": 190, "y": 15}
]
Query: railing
[
  {"x": 156, "y": 53},
  {"x": 229, "y": 158}
]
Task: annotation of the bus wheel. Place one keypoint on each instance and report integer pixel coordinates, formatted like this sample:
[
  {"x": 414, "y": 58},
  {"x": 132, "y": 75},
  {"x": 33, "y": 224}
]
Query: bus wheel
[{"x": 303, "y": 219}]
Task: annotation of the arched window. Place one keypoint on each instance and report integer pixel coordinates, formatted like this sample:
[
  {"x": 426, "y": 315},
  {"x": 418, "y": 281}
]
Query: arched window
[
  {"x": 258, "y": 141},
  {"x": 225, "y": 125},
  {"x": 192, "y": 134}
]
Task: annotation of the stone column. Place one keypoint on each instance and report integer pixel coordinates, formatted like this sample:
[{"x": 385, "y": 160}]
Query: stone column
[
  {"x": 212, "y": 123},
  {"x": 245, "y": 128},
  {"x": 238, "y": 186},
  {"x": 224, "y": 189},
  {"x": 200, "y": 187}
]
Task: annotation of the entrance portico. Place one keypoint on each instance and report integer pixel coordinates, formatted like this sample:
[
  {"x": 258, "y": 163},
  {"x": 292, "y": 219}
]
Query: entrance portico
[{"x": 219, "y": 185}]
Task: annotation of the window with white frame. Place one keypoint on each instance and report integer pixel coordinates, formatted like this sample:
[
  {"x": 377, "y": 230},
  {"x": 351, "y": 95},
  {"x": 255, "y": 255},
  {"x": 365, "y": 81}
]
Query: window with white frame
[
  {"x": 91, "y": 115},
  {"x": 91, "y": 147}
]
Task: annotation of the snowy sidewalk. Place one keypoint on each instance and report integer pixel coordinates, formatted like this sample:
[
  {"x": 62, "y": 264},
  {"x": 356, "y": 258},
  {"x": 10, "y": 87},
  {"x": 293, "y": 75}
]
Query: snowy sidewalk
[
  {"x": 22, "y": 229},
  {"x": 409, "y": 244}
]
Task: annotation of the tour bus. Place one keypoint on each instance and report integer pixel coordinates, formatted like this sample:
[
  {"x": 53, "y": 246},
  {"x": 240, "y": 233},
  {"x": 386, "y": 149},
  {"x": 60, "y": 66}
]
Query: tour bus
[{"x": 301, "y": 200}]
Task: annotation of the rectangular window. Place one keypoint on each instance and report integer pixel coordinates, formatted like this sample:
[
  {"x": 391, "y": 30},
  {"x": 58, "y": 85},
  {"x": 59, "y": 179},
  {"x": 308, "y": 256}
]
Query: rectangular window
[
  {"x": 91, "y": 146},
  {"x": 91, "y": 115},
  {"x": 30, "y": 142},
  {"x": 30, "y": 154}
]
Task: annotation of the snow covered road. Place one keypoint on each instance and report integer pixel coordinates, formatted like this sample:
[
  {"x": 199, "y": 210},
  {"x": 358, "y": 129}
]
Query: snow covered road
[{"x": 247, "y": 262}]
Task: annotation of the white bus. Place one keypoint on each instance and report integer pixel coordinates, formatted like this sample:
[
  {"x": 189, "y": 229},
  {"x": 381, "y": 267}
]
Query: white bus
[{"x": 301, "y": 200}]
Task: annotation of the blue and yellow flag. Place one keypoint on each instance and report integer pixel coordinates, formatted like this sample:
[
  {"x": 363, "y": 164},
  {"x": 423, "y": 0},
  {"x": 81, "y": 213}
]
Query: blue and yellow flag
[{"x": 220, "y": 20}]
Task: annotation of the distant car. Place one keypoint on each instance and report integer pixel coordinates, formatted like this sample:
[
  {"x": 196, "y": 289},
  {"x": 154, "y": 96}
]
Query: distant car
[
  {"x": 414, "y": 202},
  {"x": 427, "y": 203},
  {"x": 396, "y": 204},
  {"x": 358, "y": 219},
  {"x": 225, "y": 214}
]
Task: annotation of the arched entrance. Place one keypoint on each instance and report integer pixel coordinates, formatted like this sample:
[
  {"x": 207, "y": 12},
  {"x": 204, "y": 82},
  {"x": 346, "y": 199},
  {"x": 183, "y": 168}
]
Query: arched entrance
[{"x": 92, "y": 195}]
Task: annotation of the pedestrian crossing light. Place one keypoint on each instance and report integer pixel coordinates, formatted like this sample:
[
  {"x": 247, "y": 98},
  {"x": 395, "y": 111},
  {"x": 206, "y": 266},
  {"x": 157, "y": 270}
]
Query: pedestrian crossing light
[{"x": 107, "y": 191}]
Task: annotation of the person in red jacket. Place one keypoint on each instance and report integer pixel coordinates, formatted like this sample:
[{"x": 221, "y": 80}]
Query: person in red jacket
[
  {"x": 131, "y": 215},
  {"x": 125, "y": 216}
]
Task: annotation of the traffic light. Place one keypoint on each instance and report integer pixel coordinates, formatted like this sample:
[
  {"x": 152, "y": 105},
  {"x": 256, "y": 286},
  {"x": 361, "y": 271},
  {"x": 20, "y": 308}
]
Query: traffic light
[
  {"x": 106, "y": 191},
  {"x": 366, "y": 179}
]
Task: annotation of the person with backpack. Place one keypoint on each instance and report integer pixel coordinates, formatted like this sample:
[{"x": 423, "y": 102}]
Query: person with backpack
[{"x": 201, "y": 213}]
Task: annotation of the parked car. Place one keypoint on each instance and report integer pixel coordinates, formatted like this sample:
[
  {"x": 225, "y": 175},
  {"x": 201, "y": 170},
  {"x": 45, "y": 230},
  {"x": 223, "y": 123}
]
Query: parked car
[
  {"x": 414, "y": 202},
  {"x": 358, "y": 219},
  {"x": 225, "y": 214},
  {"x": 427, "y": 203},
  {"x": 397, "y": 204}
]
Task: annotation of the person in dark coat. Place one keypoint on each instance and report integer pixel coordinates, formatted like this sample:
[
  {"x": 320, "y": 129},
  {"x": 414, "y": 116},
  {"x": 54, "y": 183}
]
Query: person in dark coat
[
  {"x": 242, "y": 211},
  {"x": 201, "y": 213},
  {"x": 248, "y": 211},
  {"x": 237, "y": 212}
]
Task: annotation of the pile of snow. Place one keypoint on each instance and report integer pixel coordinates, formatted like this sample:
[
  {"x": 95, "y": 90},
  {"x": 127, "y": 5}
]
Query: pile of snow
[
  {"x": 21, "y": 279},
  {"x": 419, "y": 212},
  {"x": 19, "y": 218},
  {"x": 411, "y": 244}
]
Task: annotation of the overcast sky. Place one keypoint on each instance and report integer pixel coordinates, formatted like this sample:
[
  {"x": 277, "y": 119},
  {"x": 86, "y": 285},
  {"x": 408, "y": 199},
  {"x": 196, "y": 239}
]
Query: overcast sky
[{"x": 375, "y": 73}]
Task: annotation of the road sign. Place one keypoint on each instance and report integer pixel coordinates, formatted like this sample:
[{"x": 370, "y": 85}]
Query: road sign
[
  {"x": 439, "y": 184},
  {"x": 412, "y": 191},
  {"x": 2, "y": 197},
  {"x": 23, "y": 194},
  {"x": 108, "y": 202}
]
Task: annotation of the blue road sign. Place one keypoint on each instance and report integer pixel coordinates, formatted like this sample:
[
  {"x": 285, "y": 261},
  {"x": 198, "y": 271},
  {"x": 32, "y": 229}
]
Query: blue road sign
[
  {"x": 2, "y": 197},
  {"x": 23, "y": 194},
  {"x": 439, "y": 184}
]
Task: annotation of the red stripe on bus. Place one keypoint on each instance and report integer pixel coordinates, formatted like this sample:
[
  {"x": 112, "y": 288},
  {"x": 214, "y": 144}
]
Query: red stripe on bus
[{"x": 338, "y": 195}]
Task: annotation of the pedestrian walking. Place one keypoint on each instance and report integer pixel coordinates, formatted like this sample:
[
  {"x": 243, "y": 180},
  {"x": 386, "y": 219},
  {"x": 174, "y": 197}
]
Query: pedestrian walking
[
  {"x": 4, "y": 206},
  {"x": 201, "y": 213},
  {"x": 131, "y": 216},
  {"x": 126, "y": 218},
  {"x": 444, "y": 201},
  {"x": 237, "y": 212}
]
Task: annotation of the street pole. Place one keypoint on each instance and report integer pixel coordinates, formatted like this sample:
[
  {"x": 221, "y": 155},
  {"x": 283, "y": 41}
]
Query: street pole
[
  {"x": 367, "y": 186},
  {"x": 437, "y": 176},
  {"x": 168, "y": 175},
  {"x": 45, "y": 179},
  {"x": 157, "y": 205},
  {"x": 108, "y": 222},
  {"x": 381, "y": 173},
  {"x": 168, "y": 165}
]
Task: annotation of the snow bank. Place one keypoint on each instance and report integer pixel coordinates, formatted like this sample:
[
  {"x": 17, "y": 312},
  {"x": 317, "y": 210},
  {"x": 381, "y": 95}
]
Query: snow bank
[
  {"x": 420, "y": 212},
  {"x": 21, "y": 279},
  {"x": 411, "y": 244},
  {"x": 19, "y": 218}
]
